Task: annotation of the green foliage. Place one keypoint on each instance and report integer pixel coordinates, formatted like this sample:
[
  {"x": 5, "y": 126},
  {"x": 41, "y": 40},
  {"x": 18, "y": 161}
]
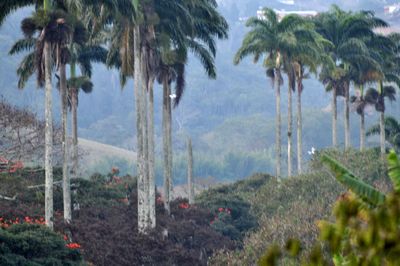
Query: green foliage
[
  {"x": 362, "y": 189},
  {"x": 102, "y": 191},
  {"x": 232, "y": 211},
  {"x": 290, "y": 208},
  {"x": 35, "y": 245},
  {"x": 359, "y": 235}
]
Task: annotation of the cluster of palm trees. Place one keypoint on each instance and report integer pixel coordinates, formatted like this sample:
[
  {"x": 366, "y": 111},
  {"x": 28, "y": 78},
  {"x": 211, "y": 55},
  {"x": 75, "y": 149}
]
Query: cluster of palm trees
[
  {"x": 147, "y": 40},
  {"x": 343, "y": 48}
]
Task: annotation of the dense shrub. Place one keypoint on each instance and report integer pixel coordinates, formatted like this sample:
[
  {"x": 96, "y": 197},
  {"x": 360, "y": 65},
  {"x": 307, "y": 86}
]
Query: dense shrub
[
  {"x": 35, "y": 245},
  {"x": 105, "y": 225},
  {"x": 232, "y": 216},
  {"x": 290, "y": 208}
]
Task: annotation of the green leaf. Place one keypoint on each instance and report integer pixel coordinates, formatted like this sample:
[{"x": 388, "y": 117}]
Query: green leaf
[
  {"x": 135, "y": 4},
  {"x": 394, "y": 170},
  {"x": 363, "y": 190}
]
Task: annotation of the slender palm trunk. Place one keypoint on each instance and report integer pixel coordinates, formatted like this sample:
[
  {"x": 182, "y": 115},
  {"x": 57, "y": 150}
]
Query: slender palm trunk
[
  {"x": 278, "y": 122},
  {"x": 74, "y": 114},
  {"x": 170, "y": 157},
  {"x": 167, "y": 177},
  {"x": 48, "y": 139},
  {"x": 334, "y": 117},
  {"x": 64, "y": 144},
  {"x": 290, "y": 130},
  {"x": 382, "y": 133},
  {"x": 299, "y": 128},
  {"x": 190, "y": 172},
  {"x": 362, "y": 131},
  {"x": 139, "y": 135},
  {"x": 146, "y": 150},
  {"x": 152, "y": 184},
  {"x": 347, "y": 117}
]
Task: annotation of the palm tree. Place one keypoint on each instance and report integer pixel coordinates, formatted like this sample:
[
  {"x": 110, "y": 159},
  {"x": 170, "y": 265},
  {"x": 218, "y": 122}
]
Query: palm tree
[
  {"x": 74, "y": 36},
  {"x": 392, "y": 132},
  {"x": 45, "y": 28},
  {"x": 388, "y": 49},
  {"x": 377, "y": 97},
  {"x": 347, "y": 32},
  {"x": 203, "y": 25},
  {"x": 362, "y": 74},
  {"x": 276, "y": 40},
  {"x": 308, "y": 59}
]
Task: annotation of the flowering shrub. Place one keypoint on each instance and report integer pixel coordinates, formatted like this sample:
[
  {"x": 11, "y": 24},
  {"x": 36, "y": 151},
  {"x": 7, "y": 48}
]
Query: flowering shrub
[
  {"x": 73, "y": 245},
  {"x": 5, "y": 223},
  {"x": 184, "y": 205},
  {"x": 32, "y": 244},
  {"x": 232, "y": 215}
]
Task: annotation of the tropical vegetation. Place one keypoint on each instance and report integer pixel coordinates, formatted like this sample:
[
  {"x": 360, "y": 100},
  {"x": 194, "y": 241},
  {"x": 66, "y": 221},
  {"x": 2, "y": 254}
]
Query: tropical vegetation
[{"x": 151, "y": 42}]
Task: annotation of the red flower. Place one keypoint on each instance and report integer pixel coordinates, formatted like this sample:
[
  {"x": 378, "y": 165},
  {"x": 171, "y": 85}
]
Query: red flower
[
  {"x": 221, "y": 209},
  {"x": 73, "y": 245},
  {"x": 184, "y": 205}
]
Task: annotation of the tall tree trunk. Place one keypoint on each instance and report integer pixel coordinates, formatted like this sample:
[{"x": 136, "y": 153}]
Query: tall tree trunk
[
  {"x": 382, "y": 133},
  {"x": 167, "y": 178},
  {"x": 145, "y": 113},
  {"x": 74, "y": 114},
  {"x": 290, "y": 130},
  {"x": 347, "y": 116},
  {"x": 190, "y": 171},
  {"x": 334, "y": 117},
  {"x": 299, "y": 128},
  {"x": 152, "y": 183},
  {"x": 64, "y": 145},
  {"x": 48, "y": 139},
  {"x": 362, "y": 131},
  {"x": 170, "y": 157},
  {"x": 278, "y": 121},
  {"x": 139, "y": 134}
]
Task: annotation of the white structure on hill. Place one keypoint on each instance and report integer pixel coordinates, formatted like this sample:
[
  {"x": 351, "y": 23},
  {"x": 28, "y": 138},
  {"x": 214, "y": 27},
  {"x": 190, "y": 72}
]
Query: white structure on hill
[
  {"x": 392, "y": 9},
  {"x": 282, "y": 13}
]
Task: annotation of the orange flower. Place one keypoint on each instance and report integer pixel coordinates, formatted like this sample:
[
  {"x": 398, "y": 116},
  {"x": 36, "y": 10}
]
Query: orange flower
[{"x": 73, "y": 245}]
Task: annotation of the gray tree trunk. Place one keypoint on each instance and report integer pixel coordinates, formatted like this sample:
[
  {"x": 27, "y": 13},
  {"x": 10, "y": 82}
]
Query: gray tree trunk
[
  {"x": 382, "y": 133},
  {"x": 48, "y": 139},
  {"x": 145, "y": 113},
  {"x": 362, "y": 132},
  {"x": 152, "y": 183},
  {"x": 347, "y": 117},
  {"x": 142, "y": 218},
  {"x": 74, "y": 114},
  {"x": 290, "y": 130},
  {"x": 190, "y": 172},
  {"x": 299, "y": 130},
  {"x": 334, "y": 117},
  {"x": 64, "y": 145},
  {"x": 170, "y": 157},
  {"x": 278, "y": 121},
  {"x": 167, "y": 177}
]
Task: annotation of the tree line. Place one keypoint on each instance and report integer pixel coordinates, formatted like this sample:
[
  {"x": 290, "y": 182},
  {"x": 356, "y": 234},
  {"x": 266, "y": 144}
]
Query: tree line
[{"x": 342, "y": 48}]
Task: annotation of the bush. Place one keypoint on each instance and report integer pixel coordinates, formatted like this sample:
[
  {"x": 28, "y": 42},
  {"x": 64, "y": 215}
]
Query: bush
[
  {"x": 290, "y": 208},
  {"x": 232, "y": 216},
  {"x": 35, "y": 245}
]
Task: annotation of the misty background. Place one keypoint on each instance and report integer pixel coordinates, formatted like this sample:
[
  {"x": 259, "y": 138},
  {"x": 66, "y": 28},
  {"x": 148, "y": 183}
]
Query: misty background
[{"x": 230, "y": 119}]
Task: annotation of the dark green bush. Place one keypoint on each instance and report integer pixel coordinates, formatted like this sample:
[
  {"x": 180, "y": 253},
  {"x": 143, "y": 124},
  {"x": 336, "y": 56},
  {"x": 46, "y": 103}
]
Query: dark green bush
[
  {"x": 35, "y": 245},
  {"x": 232, "y": 213}
]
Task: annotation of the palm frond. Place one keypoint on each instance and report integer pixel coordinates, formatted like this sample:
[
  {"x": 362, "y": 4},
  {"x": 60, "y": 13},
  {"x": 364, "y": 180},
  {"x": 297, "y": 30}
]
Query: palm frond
[{"x": 365, "y": 191}]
